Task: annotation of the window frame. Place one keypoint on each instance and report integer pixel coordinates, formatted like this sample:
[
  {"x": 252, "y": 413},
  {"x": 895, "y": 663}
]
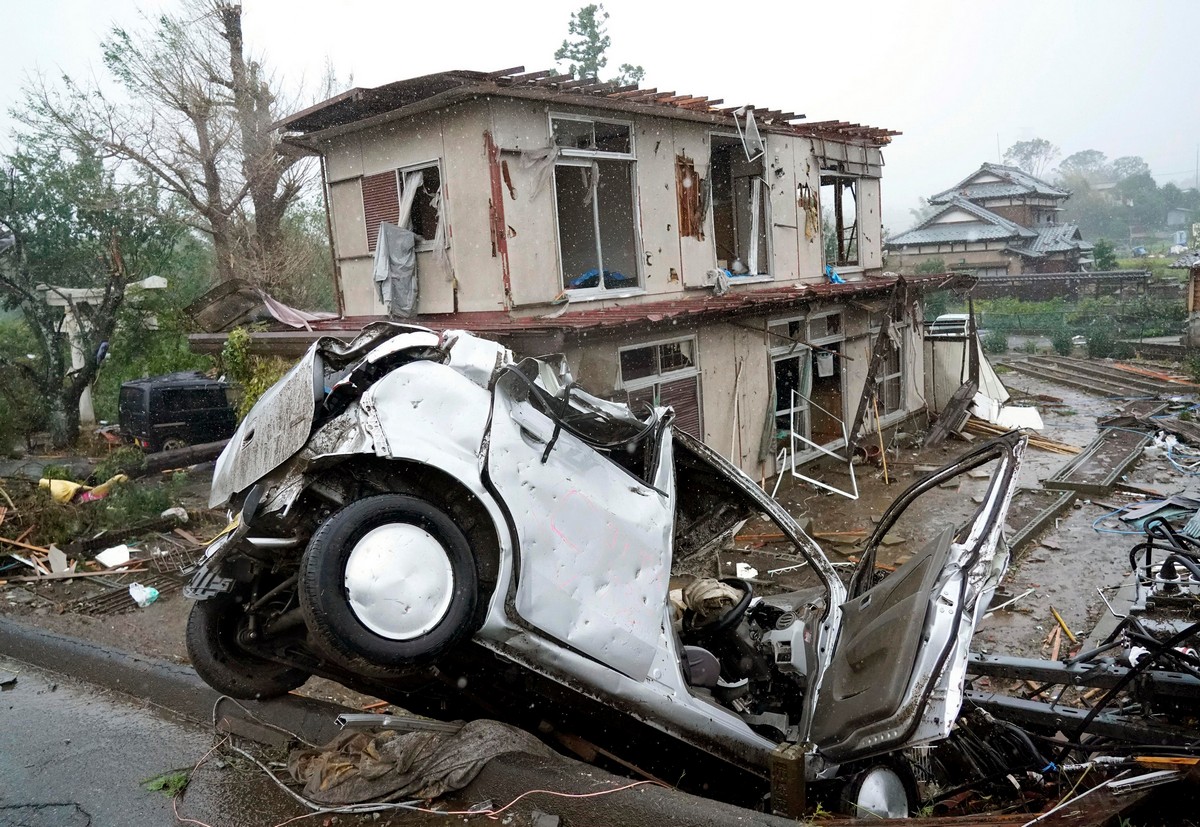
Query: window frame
[
  {"x": 874, "y": 331},
  {"x": 657, "y": 380},
  {"x": 583, "y": 159},
  {"x": 428, "y": 245},
  {"x": 658, "y": 377},
  {"x": 785, "y": 350},
  {"x": 760, "y": 256},
  {"x": 576, "y": 152},
  {"x": 856, "y": 182}
]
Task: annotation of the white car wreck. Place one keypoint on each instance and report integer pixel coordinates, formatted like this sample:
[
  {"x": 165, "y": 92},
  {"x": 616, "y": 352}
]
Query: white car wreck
[{"x": 424, "y": 518}]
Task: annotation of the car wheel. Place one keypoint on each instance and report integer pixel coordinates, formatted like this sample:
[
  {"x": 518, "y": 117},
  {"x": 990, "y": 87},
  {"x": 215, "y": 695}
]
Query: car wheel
[
  {"x": 213, "y": 649},
  {"x": 388, "y": 581},
  {"x": 880, "y": 791},
  {"x": 173, "y": 443}
]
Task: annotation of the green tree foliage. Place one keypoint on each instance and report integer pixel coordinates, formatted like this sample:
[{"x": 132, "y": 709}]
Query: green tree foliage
[
  {"x": 1104, "y": 254},
  {"x": 1034, "y": 156},
  {"x": 586, "y": 43},
  {"x": 73, "y": 224},
  {"x": 1090, "y": 164},
  {"x": 1063, "y": 340},
  {"x": 253, "y": 374}
]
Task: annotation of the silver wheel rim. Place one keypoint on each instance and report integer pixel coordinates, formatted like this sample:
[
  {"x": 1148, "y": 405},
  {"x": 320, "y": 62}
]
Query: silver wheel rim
[
  {"x": 881, "y": 794},
  {"x": 399, "y": 581}
]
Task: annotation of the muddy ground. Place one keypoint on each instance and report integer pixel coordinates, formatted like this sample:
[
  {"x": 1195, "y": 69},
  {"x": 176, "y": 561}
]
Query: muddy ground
[{"x": 1064, "y": 569}]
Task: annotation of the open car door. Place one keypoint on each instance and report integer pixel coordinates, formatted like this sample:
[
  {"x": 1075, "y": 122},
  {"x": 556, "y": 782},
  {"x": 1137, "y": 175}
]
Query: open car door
[{"x": 896, "y": 674}]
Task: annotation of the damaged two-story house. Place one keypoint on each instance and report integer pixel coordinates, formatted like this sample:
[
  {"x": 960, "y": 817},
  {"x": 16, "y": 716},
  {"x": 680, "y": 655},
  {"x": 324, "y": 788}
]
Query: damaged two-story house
[{"x": 673, "y": 249}]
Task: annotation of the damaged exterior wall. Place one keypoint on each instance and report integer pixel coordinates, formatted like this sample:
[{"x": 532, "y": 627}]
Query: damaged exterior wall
[{"x": 670, "y": 263}]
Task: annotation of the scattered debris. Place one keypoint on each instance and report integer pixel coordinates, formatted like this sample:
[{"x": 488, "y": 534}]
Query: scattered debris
[
  {"x": 143, "y": 595},
  {"x": 8, "y": 680}
]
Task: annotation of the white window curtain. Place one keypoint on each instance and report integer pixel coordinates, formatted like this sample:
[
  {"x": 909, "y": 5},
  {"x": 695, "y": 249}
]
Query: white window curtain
[{"x": 408, "y": 193}]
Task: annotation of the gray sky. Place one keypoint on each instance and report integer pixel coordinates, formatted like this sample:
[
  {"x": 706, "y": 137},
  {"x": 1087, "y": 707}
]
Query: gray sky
[{"x": 955, "y": 77}]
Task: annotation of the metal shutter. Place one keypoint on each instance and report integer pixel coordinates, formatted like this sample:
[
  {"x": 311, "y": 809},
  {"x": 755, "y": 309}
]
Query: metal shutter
[
  {"x": 684, "y": 396},
  {"x": 381, "y": 202}
]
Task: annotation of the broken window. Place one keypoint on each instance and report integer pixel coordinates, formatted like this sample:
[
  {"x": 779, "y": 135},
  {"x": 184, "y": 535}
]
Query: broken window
[
  {"x": 740, "y": 209},
  {"x": 585, "y": 134},
  {"x": 664, "y": 374},
  {"x": 839, "y": 219},
  {"x": 808, "y": 380},
  {"x": 890, "y": 379},
  {"x": 594, "y": 202},
  {"x": 410, "y": 197}
]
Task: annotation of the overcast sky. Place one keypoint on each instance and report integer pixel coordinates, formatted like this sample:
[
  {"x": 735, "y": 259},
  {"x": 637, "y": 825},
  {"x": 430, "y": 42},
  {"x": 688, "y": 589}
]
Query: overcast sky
[{"x": 957, "y": 78}]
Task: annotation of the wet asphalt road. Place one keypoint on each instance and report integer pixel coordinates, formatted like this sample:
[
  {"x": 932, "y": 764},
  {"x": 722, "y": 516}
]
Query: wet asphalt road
[{"x": 72, "y": 755}]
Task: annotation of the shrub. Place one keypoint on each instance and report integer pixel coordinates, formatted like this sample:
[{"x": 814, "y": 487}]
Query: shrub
[
  {"x": 1100, "y": 343},
  {"x": 1062, "y": 340},
  {"x": 1029, "y": 346},
  {"x": 255, "y": 374},
  {"x": 123, "y": 459},
  {"x": 1123, "y": 350},
  {"x": 996, "y": 341}
]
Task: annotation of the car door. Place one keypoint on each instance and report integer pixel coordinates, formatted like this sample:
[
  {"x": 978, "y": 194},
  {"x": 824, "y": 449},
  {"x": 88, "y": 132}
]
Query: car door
[
  {"x": 896, "y": 671},
  {"x": 593, "y": 540}
]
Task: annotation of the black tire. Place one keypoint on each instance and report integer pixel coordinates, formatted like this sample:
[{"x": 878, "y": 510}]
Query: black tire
[
  {"x": 333, "y": 624},
  {"x": 212, "y": 647},
  {"x": 172, "y": 443}
]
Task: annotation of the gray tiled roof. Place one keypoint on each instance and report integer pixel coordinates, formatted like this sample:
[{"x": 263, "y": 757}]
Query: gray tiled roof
[
  {"x": 1015, "y": 182},
  {"x": 1185, "y": 262},
  {"x": 988, "y": 227},
  {"x": 1057, "y": 238}
]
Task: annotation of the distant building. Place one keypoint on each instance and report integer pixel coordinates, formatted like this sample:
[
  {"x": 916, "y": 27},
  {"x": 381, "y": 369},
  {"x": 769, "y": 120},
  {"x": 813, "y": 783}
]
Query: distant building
[
  {"x": 1179, "y": 217},
  {"x": 998, "y": 221}
]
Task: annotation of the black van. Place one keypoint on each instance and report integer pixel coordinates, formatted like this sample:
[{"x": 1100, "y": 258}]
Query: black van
[{"x": 163, "y": 413}]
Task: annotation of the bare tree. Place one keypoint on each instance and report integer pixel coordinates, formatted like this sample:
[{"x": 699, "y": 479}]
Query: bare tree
[{"x": 198, "y": 118}]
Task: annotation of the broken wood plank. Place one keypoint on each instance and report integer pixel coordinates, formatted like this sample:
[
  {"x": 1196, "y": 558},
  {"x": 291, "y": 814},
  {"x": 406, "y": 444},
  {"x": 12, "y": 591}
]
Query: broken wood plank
[
  {"x": 26, "y": 546},
  {"x": 187, "y": 535},
  {"x": 954, "y": 416},
  {"x": 70, "y": 575}
]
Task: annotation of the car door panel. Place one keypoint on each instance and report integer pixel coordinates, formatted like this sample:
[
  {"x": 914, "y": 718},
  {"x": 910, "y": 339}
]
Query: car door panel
[
  {"x": 594, "y": 541},
  {"x": 894, "y": 675}
]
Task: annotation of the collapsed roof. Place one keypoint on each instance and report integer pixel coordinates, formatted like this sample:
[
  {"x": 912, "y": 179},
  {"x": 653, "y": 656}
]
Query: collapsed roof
[{"x": 363, "y": 107}]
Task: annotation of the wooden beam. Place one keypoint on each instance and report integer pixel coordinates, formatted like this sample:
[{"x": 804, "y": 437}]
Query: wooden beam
[{"x": 505, "y": 72}]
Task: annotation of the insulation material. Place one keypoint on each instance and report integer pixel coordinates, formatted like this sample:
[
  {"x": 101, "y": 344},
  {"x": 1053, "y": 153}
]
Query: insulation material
[
  {"x": 360, "y": 766},
  {"x": 1009, "y": 417}
]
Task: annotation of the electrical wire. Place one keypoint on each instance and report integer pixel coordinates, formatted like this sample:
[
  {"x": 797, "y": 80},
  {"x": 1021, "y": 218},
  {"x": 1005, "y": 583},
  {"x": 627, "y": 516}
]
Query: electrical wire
[
  {"x": 412, "y": 805},
  {"x": 259, "y": 720},
  {"x": 1136, "y": 532},
  {"x": 1193, "y": 469}
]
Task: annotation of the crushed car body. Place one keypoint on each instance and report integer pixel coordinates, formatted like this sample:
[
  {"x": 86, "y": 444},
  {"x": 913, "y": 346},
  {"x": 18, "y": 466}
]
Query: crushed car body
[{"x": 426, "y": 516}]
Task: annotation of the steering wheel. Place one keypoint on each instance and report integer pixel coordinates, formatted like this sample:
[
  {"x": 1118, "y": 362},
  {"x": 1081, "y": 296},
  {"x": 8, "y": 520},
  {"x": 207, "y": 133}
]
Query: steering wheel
[{"x": 731, "y": 618}]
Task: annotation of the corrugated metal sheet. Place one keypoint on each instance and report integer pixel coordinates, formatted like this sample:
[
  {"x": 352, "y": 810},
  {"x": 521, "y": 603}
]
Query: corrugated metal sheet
[{"x": 699, "y": 307}]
